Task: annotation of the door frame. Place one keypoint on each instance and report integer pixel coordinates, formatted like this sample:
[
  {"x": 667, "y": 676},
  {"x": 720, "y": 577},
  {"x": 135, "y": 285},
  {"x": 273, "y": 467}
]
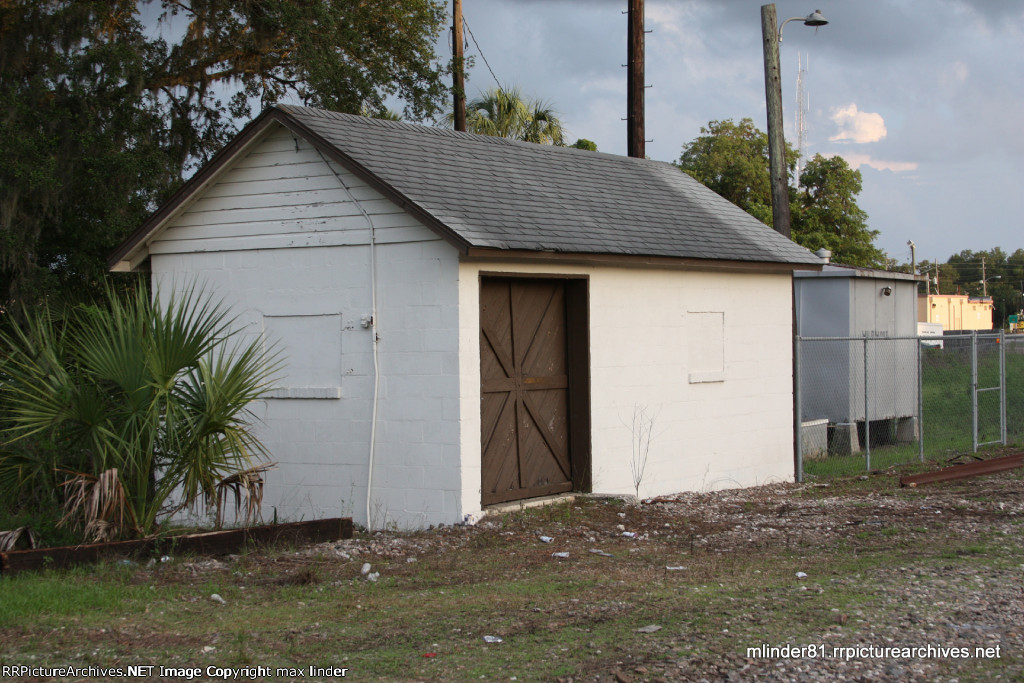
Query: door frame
[{"x": 577, "y": 331}]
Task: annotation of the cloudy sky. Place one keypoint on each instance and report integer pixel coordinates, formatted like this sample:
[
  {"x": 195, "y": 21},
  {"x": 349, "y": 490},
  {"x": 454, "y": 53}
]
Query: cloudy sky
[{"x": 925, "y": 97}]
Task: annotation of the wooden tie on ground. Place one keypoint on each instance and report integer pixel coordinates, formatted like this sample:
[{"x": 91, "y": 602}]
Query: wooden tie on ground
[{"x": 207, "y": 543}]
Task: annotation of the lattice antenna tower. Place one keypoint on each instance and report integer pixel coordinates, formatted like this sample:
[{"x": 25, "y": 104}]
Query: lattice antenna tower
[{"x": 801, "y": 114}]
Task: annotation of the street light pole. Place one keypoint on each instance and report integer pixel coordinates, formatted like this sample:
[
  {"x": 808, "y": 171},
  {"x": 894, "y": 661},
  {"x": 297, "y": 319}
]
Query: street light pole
[
  {"x": 778, "y": 173},
  {"x": 771, "y": 32}
]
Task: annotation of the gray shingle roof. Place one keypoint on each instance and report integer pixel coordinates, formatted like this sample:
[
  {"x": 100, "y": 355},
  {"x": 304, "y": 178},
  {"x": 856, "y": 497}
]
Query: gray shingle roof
[
  {"x": 501, "y": 194},
  {"x": 492, "y": 193}
]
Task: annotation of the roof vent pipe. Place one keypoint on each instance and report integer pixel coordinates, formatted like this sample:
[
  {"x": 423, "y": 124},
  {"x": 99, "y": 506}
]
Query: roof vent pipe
[{"x": 824, "y": 253}]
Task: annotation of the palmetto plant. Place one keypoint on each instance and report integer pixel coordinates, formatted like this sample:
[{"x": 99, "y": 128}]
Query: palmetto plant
[
  {"x": 140, "y": 409},
  {"x": 507, "y": 113}
]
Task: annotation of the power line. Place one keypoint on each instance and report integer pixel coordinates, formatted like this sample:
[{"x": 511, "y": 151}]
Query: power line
[{"x": 478, "y": 49}]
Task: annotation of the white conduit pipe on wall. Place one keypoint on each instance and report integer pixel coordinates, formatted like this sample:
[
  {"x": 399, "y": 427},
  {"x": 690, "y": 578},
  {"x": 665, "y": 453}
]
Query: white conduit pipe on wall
[{"x": 373, "y": 331}]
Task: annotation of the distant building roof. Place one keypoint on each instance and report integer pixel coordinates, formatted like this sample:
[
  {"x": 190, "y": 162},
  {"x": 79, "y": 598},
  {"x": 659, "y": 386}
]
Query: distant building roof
[
  {"x": 969, "y": 297},
  {"x": 482, "y": 192},
  {"x": 839, "y": 270}
]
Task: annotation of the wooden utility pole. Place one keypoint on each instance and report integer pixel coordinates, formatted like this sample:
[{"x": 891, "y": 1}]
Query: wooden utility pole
[
  {"x": 776, "y": 137},
  {"x": 458, "y": 76},
  {"x": 635, "y": 81}
]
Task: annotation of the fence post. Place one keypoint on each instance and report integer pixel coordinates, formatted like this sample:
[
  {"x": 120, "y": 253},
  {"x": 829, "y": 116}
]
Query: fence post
[
  {"x": 798, "y": 409},
  {"x": 920, "y": 402},
  {"x": 1002, "y": 386},
  {"x": 867, "y": 411},
  {"x": 974, "y": 390}
]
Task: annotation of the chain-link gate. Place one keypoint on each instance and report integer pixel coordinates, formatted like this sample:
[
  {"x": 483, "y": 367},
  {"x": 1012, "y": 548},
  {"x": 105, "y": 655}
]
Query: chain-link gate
[
  {"x": 1013, "y": 387},
  {"x": 867, "y": 403},
  {"x": 987, "y": 391}
]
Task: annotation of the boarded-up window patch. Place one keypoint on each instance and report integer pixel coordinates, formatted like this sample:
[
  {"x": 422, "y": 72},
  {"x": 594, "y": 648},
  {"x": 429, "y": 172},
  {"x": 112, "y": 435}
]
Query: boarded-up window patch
[
  {"x": 706, "y": 334},
  {"x": 310, "y": 347}
]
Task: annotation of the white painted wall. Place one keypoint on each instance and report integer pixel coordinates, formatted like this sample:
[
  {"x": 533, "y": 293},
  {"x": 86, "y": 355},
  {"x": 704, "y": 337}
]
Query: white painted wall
[
  {"x": 653, "y": 345},
  {"x": 282, "y": 240}
]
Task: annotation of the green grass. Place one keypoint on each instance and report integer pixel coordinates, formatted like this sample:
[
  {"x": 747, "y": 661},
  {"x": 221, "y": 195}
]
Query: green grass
[
  {"x": 948, "y": 413},
  {"x": 52, "y": 597}
]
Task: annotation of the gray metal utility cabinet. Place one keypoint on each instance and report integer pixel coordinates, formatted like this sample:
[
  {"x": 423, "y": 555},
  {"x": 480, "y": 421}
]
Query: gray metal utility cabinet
[{"x": 849, "y": 305}]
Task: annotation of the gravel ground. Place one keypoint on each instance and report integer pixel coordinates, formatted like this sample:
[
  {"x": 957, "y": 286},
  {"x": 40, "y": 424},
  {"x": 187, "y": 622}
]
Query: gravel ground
[
  {"x": 939, "y": 566},
  {"x": 969, "y": 609},
  {"x": 967, "y": 602}
]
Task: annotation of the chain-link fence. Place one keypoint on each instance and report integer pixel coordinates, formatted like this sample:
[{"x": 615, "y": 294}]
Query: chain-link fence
[{"x": 866, "y": 403}]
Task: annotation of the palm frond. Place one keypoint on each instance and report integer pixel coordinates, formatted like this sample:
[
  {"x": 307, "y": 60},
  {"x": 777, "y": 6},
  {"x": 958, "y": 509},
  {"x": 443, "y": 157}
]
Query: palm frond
[
  {"x": 9, "y": 539},
  {"x": 100, "y": 503},
  {"x": 246, "y": 486}
]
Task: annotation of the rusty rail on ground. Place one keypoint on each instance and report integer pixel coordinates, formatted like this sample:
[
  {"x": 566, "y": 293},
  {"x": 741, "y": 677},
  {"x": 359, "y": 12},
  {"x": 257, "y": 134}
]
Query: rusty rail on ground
[{"x": 971, "y": 469}]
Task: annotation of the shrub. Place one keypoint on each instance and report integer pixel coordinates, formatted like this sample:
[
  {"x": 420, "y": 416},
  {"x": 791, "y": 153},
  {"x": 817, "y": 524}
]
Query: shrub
[{"x": 128, "y": 412}]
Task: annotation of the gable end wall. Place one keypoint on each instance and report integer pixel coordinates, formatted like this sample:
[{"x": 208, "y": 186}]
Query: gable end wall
[{"x": 280, "y": 237}]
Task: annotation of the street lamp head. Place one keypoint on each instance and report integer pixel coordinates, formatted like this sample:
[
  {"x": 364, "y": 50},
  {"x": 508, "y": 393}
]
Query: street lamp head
[{"x": 815, "y": 19}]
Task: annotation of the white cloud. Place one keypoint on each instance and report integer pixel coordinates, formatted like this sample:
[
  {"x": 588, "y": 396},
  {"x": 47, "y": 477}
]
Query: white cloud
[
  {"x": 858, "y": 160},
  {"x": 857, "y": 126},
  {"x": 668, "y": 19}
]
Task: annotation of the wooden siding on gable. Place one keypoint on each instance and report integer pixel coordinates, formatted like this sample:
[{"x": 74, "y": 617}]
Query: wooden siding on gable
[{"x": 283, "y": 194}]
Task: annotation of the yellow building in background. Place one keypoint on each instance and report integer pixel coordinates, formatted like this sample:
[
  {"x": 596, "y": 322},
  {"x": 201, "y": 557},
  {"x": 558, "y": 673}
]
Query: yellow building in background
[{"x": 955, "y": 311}]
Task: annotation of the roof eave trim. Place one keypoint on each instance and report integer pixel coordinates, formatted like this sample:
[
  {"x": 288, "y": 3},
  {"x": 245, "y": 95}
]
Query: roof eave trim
[
  {"x": 634, "y": 261},
  {"x": 132, "y": 252}
]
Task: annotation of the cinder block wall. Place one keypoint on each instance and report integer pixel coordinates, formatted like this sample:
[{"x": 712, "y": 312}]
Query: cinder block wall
[
  {"x": 707, "y": 357},
  {"x": 281, "y": 239}
]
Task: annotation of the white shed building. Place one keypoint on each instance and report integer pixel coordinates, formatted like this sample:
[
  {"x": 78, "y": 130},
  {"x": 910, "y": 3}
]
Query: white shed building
[{"x": 469, "y": 320}]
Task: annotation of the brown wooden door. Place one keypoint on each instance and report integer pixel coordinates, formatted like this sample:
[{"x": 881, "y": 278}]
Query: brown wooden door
[{"x": 524, "y": 389}]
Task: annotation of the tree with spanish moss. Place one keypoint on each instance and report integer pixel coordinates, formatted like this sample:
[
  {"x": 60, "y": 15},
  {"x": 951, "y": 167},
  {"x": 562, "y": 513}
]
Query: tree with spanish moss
[{"x": 108, "y": 104}]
